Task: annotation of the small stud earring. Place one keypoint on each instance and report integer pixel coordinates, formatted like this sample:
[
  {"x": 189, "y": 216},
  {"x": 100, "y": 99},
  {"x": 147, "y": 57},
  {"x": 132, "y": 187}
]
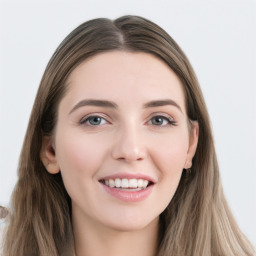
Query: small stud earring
[{"x": 188, "y": 171}]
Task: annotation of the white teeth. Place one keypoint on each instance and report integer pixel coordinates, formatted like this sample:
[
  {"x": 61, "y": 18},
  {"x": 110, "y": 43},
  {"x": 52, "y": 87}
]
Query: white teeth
[
  {"x": 127, "y": 183},
  {"x": 112, "y": 183},
  {"x": 140, "y": 183},
  {"x": 118, "y": 183},
  {"x": 145, "y": 183},
  {"x": 133, "y": 183}
]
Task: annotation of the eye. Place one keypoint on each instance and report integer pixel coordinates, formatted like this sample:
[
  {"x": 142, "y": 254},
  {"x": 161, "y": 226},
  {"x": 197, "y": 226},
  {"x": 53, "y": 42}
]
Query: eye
[
  {"x": 93, "y": 120},
  {"x": 161, "y": 121}
]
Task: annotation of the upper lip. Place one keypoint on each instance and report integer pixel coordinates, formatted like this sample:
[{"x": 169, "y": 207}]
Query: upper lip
[{"x": 129, "y": 176}]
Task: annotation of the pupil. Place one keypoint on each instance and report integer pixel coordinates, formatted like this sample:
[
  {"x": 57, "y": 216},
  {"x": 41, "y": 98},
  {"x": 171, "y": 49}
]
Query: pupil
[
  {"x": 95, "y": 120},
  {"x": 158, "y": 120}
]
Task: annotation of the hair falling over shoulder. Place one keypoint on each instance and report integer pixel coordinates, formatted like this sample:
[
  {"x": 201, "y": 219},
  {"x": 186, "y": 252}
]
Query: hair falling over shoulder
[{"x": 196, "y": 222}]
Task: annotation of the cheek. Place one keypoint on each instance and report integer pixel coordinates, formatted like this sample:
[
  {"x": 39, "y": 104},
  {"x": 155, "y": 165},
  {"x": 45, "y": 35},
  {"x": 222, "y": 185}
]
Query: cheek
[
  {"x": 79, "y": 159},
  {"x": 77, "y": 155},
  {"x": 171, "y": 152},
  {"x": 168, "y": 157}
]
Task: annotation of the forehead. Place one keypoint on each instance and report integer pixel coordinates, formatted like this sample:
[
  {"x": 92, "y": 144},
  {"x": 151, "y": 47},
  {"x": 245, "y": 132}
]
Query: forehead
[{"x": 121, "y": 75}]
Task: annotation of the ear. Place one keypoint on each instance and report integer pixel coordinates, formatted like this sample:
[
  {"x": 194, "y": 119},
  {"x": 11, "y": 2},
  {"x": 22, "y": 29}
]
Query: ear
[
  {"x": 193, "y": 140},
  {"x": 48, "y": 156}
]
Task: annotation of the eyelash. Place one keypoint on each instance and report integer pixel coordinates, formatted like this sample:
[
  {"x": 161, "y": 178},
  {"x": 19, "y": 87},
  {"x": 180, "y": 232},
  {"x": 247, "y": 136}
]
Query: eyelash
[
  {"x": 169, "y": 120},
  {"x": 86, "y": 119}
]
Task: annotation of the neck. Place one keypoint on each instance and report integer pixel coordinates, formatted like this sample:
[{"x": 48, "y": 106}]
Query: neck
[{"x": 95, "y": 240}]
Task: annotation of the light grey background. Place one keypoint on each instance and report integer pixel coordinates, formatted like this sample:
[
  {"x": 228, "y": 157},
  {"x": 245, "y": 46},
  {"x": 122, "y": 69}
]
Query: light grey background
[{"x": 217, "y": 36}]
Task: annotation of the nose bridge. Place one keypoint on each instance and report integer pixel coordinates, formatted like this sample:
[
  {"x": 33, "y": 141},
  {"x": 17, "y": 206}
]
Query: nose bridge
[{"x": 129, "y": 144}]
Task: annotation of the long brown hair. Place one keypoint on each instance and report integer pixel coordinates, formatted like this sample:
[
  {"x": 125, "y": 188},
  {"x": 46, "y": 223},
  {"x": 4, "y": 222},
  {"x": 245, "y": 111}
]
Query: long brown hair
[{"x": 196, "y": 222}]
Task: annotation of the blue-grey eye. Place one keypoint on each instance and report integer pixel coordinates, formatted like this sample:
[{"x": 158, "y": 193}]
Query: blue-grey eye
[
  {"x": 94, "y": 120},
  {"x": 161, "y": 121}
]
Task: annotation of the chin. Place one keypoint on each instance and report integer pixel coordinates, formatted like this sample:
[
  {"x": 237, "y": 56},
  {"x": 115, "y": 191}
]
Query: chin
[{"x": 132, "y": 224}]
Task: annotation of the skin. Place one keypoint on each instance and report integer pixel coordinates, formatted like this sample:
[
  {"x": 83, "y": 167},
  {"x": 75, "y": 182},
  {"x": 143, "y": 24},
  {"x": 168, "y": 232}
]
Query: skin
[{"x": 127, "y": 139}]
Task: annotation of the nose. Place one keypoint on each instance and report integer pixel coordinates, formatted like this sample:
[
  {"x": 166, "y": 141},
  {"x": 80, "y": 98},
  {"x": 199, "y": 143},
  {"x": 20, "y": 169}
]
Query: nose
[{"x": 129, "y": 145}]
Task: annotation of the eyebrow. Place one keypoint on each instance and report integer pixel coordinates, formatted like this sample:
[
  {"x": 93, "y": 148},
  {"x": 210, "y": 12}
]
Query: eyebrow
[
  {"x": 113, "y": 105},
  {"x": 96, "y": 103},
  {"x": 160, "y": 103}
]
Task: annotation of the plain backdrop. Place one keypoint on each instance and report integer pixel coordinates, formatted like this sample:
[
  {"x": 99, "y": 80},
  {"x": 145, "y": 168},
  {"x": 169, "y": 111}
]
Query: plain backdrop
[{"x": 217, "y": 36}]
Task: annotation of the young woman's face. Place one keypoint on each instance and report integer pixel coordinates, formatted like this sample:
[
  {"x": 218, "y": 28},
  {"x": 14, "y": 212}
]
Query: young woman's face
[{"x": 122, "y": 139}]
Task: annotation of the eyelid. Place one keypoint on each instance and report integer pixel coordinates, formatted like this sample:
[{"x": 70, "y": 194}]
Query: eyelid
[
  {"x": 84, "y": 118},
  {"x": 106, "y": 117},
  {"x": 169, "y": 118}
]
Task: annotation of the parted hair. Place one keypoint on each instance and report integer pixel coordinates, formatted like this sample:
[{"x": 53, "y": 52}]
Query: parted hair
[{"x": 197, "y": 221}]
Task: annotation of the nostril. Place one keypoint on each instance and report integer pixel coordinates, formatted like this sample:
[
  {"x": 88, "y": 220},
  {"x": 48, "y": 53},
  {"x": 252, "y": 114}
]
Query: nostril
[{"x": 128, "y": 148}]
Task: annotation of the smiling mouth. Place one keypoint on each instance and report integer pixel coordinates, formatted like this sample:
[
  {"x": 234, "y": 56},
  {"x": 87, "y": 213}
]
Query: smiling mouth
[{"x": 127, "y": 184}]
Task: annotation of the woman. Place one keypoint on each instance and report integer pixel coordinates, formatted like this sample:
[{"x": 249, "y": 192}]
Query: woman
[{"x": 118, "y": 157}]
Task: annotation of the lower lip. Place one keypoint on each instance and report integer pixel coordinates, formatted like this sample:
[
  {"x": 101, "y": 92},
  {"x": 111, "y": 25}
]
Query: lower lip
[{"x": 129, "y": 196}]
